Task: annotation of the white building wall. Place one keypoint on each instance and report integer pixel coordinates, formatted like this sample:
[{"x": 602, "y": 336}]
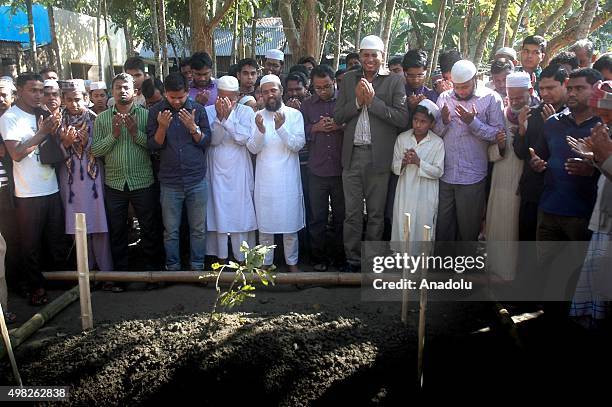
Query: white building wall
[{"x": 76, "y": 37}]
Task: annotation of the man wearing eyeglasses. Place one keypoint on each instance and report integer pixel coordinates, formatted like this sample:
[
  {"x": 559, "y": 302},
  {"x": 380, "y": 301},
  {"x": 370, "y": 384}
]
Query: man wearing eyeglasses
[
  {"x": 324, "y": 138},
  {"x": 415, "y": 72}
]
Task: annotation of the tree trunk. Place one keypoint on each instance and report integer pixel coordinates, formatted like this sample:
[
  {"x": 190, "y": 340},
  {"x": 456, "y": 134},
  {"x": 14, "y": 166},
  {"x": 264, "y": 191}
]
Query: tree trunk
[
  {"x": 390, "y": 9},
  {"x": 519, "y": 18},
  {"x": 501, "y": 27},
  {"x": 433, "y": 58},
  {"x": 554, "y": 17},
  {"x": 99, "y": 42},
  {"x": 242, "y": 53},
  {"x": 203, "y": 22},
  {"x": 234, "y": 36},
  {"x": 338, "y": 28},
  {"x": 586, "y": 19},
  {"x": 568, "y": 36},
  {"x": 309, "y": 33},
  {"x": 415, "y": 28},
  {"x": 173, "y": 45},
  {"x": 108, "y": 41},
  {"x": 465, "y": 34},
  {"x": 32, "y": 34},
  {"x": 381, "y": 17},
  {"x": 486, "y": 31},
  {"x": 54, "y": 44},
  {"x": 254, "y": 32},
  {"x": 359, "y": 23},
  {"x": 163, "y": 37},
  {"x": 129, "y": 41},
  {"x": 155, "y": 33}
]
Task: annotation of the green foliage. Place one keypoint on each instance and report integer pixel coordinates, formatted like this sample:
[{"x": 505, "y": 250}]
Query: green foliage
[{"x": 246, "y": 275}]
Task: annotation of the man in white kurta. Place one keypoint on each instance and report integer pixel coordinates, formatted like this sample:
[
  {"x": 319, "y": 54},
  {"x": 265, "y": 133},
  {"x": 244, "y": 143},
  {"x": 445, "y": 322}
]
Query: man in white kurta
[
  {"x": 417, "y": 187},
  {"x": 230, "y": 207},
  {"x": 277, "y": 134},
  {"x": 502, "y": 221}
]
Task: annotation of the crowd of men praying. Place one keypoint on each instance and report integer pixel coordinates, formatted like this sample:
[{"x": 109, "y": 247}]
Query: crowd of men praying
[{"x": 320, "y": 159}]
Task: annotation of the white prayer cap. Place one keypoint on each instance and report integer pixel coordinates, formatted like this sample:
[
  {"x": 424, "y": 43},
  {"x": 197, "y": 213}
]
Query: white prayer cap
[
  {"x": 431, "y": 107},
  {"x": 245, "y": 99},
  {"x": 271, "y": 78},
  {"x": 228, "y": 83},
  {"x": 7, "y": 82},
  {"x": 372, "y": 42},
  {"x": 275, "y": 54},
  {"x": 73, "y": 85},
  {"x": 97, "y": 85},
  {"x": 506, "y": 51},
  {"x": 51, "y": 83},
  {"x": 518, "y": 80},
  {"x": 463, "y": 71}
]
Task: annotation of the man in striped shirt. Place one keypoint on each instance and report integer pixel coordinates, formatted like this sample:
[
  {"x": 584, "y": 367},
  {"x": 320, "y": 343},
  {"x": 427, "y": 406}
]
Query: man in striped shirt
[{"x": 120, "y": 137}]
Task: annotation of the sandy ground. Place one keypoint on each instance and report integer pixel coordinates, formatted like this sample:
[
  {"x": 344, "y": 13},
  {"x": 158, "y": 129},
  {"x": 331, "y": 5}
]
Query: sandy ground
[{"x": 310, "y": 347}]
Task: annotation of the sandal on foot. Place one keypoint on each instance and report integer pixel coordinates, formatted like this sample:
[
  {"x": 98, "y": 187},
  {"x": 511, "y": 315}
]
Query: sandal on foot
[
  {"x": 320, "y": 267},
  {"x": 39, "y": 297}
]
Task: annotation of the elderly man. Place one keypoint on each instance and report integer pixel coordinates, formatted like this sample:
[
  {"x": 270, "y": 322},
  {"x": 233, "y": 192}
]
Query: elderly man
[
  {"x": 504, "y": 203},
  {"x": 275, "y": 61},
  {"x": 178, "y": 127},
  {"x": 584, "y": 52},
  {"x": 471, "y": 120},
  {"x": 372, "y": 105},
  {"x": 277, "y": 136},
  {"x": 230, "y": 173}
]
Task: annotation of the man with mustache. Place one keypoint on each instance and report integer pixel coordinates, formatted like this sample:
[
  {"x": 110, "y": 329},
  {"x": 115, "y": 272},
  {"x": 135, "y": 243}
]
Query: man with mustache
[
  {"x": 120, "y": 137},
  {"x": 277, "y": 136},
  {"x": 372, "y": 104},
  {"x": 570, "y": 183},
  {"x": 529, "y": 135}
]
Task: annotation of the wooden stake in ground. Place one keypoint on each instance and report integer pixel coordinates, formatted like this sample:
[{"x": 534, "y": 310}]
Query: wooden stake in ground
[
  {"x": 423, "y": 308},
  {"x": 83, "y": 270},
  {"x": 405, "y": 295},
  {"x": 9, "y": 349}
]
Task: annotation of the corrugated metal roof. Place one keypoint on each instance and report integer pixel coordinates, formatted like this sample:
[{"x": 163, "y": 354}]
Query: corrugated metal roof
[{"x": 270, "y": 35}]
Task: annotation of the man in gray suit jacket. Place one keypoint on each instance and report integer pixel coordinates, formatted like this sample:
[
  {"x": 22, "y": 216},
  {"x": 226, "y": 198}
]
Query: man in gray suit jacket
[{"x": 372, "y": 104}]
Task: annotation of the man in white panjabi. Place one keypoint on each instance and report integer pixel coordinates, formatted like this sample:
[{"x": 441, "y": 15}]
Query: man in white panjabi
[
  {"x": 277, "y": 135},
  {"x": 230, "y": 207},
  {"x": 418, "y": 159},
  {"x": 502, "y": 221}
]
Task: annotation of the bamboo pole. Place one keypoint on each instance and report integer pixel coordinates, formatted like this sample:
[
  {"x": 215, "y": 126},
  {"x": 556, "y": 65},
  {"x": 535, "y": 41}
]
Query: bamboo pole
[
  {"x": 7, "y": 345},
  {"x": 83, "y": 271},
  {"x": 319, "y": 278},
  {"x": 405, "y": 295},
  {"x": 19, "y": 335},
  {"x": 422, "y": 315}
]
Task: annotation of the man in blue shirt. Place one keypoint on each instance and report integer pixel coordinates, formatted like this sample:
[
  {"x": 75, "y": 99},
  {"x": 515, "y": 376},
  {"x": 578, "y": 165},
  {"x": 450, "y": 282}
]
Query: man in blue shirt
[
  {"x": 570, "y": 183},
  {"x": 178, "y": 127}
]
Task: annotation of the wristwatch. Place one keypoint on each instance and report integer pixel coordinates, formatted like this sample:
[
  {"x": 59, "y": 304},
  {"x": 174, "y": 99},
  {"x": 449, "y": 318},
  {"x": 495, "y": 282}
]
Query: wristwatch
[{"x": 196, "y": 131}]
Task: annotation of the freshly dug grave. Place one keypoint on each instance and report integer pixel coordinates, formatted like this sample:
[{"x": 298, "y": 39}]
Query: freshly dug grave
[
  {"x": 350, "y": 353},
  {"x": 290, "y": 359}
]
